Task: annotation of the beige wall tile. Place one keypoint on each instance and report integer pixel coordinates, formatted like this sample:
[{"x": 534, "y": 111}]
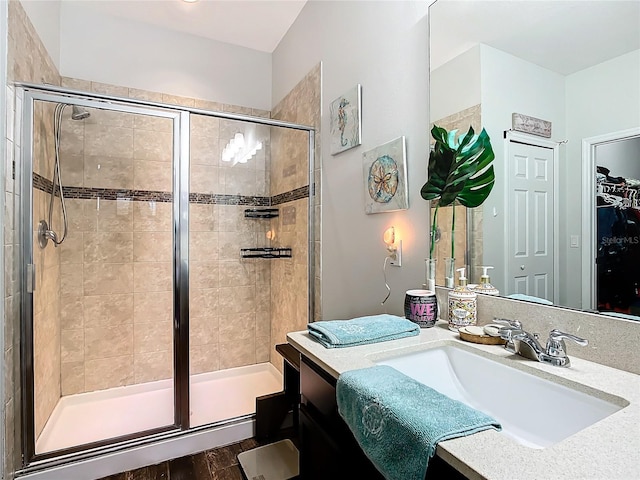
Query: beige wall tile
[
  {"x": 205, "y": 126},
  {"x": 71, "y": 279},
  {"x": 202, "y": 301},
  {"x": 72, "y": 247},
  {"x": 177, "y": 100},
  {"x": 153, "y": 366},
  {"x": 111, "y": 216},
  {"x": 108, "y": 247},
  {"x": 102, "y": 373},
  {"x": 153, "y": 307},
  {"x": 203, "y": 246},
  {"x": 153, "y": 146},
  {"x": 236, "y": 274},
  {"x": 149, "y": 122},
  {"x": 205, "y": 150},
  {"x": 107, "y": 89},
  {"x": 72, "y": 374},
  {"x": 108, "y": 172},
  {"x": 202, "y": 217},
  {"x": 109, "y": 117},
  {"x": 263, "y": 349},
  {"x": 104, "y": 278},
  {"x": 152, "y": 337},
  {"x": 108, "y": 310},
  {"x": 72, "y": 346},
  {"x": 205, "y": 179},
  {"x": 203, "y": 275},
  {"x": 71, "y": 311},
  {"x": 232, "y": 219},
  {"x": 75, "y": 84},
  {"x": 203, "y": 330},
  {"x": 152, "y": 216},
  {"x": 73, "y": 168},
  {"x": 152, "y": 276},
  {"x": 108, "y": 341},
  {"x": 230, "y": 244},
  {"x": 237, "y": 354},
  {"x": 108, "y": 141},
  {"x": 237, "y": 300},
  {"x": 208, "y": 105},
  {"x": 238, "y": 328},
  {"x": 145, "y": 95},
  {"x": 203, "y": 358},
  {"x": 152, "y": 247},
  {"x": 149, "y": 175}
]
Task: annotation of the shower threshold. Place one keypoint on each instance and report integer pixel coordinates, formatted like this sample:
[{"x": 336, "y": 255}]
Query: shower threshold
[{"x": 215, "y": 396}]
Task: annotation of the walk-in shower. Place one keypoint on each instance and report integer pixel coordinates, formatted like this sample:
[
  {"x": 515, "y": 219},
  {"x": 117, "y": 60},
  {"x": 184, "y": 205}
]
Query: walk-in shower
[
  {"x": 143, "y": 318},
  {"x": 45, "y": 230}
]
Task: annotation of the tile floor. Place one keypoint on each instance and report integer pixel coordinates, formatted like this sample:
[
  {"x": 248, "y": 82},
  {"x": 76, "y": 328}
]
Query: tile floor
[{"x": 216, "y": 464}]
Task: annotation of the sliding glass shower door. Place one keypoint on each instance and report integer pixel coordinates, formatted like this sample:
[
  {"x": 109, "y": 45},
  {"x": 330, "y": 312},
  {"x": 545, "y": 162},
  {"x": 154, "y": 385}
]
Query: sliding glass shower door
[{"x": 101, "y": 275}]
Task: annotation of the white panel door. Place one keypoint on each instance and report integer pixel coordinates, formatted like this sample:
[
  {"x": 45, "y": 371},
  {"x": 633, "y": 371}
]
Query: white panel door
[{"x": 530, "y": 221}]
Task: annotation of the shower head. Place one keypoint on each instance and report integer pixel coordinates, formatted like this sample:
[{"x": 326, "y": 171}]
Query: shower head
[{"x": 79, "y": 113}]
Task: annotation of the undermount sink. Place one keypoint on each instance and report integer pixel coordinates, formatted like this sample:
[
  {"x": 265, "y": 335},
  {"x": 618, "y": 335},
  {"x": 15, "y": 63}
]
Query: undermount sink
[{"x": 534, "y": 411}]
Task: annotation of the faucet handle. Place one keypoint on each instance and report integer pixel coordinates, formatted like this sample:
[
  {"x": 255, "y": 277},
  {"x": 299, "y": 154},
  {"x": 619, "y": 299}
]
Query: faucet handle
[
  {"x": 507, "y": 322},
  {"x": 556, "y": 346}
]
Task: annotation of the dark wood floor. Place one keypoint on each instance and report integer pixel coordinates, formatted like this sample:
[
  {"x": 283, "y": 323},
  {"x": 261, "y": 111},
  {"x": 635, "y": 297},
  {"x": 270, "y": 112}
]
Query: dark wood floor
[{"x": 217, "y": 464}]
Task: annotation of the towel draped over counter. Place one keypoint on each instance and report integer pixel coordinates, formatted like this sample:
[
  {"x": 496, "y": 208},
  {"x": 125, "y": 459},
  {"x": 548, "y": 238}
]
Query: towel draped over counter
[
  {"x": 362, "y": 330},
  {"x": 399, "y": 421}
]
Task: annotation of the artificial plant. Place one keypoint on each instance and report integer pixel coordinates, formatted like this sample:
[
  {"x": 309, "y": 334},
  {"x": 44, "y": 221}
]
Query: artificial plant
[{"x": 460, "y": 168}]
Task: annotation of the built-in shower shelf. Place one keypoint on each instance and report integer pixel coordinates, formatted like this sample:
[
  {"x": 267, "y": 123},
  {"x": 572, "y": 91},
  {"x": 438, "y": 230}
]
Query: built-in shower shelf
[
  {"x": 261, "y": 213},
  {"x": 266, "y": 252}
]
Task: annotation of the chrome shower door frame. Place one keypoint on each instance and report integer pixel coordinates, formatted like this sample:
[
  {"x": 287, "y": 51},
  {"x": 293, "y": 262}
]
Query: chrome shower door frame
[{"x": 180, "y": 210}]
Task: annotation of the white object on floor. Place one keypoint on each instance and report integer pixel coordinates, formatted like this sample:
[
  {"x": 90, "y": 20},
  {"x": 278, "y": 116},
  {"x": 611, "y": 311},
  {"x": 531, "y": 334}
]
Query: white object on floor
[
  {"x": 215, "y": 396},
  {"x": 276, "y": 461}
]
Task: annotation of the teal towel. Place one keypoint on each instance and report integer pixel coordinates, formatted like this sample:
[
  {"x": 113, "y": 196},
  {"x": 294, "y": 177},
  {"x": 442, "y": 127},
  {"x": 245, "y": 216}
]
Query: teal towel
[
  {"x": 362, "y": 330},
  {"x": 398, "y": 421}
]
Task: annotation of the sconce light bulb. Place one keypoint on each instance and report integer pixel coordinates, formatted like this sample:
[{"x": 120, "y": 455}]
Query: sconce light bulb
[{"x": 389, "y": 238}]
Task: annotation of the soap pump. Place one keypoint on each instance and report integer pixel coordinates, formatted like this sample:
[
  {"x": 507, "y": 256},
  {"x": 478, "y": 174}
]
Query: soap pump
[
  {"x": 462, "y": 304},
  {"x": 485, "y": 283}
]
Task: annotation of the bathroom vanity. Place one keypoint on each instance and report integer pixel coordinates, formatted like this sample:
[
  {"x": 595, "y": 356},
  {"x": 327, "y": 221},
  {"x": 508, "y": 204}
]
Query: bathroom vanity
[{"x": 606, "y": 447}]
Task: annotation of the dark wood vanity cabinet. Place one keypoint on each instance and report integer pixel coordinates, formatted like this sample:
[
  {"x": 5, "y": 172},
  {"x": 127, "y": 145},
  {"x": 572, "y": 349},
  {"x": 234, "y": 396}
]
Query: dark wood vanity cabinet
[{"x": 328, "y": 450}]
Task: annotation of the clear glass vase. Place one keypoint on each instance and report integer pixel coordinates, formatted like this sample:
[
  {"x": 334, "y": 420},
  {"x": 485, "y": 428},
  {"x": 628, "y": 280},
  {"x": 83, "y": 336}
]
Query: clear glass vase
[
  {"x": 430, "y": 264},
  {"x": 449, "y": 272}
]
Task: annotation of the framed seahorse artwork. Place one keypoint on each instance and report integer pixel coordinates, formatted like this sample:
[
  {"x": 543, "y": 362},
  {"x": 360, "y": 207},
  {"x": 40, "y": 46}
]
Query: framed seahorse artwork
[
  {"x": 346, "y": 121},
  {"x": 385, "y": 177}
]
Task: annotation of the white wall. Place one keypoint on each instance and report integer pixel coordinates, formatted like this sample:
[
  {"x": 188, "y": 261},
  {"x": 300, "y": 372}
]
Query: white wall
[
  {"x": 116, "y": 51},
  {"x": 45, "y": 17},
  {"x": 600, "y": 100},
  {"x": 456, "y": 85},
  {"x": 384, "y": 47},
  {"x": 509, "y": 85}
]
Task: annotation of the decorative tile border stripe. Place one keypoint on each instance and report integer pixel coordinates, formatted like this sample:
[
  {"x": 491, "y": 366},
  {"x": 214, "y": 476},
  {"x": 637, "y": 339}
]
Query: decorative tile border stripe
[
  {"x": 297, "y": 194},
  {"x": 87, "y": 193}
]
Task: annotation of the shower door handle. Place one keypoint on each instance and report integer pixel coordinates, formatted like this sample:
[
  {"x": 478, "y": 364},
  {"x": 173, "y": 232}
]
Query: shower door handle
[{"x": 31, "y": 278}]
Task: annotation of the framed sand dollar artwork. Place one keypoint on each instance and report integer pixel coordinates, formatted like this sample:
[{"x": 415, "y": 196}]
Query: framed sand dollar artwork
[{"x": 385, "y": 177}]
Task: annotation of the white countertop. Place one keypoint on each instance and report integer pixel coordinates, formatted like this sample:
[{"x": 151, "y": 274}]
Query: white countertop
[{"x": 607, "y": 450}]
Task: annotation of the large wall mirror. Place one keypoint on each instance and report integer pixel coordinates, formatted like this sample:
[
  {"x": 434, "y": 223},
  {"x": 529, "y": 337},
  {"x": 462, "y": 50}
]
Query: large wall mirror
[{"x": 562, "y": 224}]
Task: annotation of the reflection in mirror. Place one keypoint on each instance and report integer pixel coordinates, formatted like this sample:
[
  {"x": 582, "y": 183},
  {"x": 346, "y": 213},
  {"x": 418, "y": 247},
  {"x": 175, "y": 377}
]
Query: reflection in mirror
[{"x": 574, "y": 65}]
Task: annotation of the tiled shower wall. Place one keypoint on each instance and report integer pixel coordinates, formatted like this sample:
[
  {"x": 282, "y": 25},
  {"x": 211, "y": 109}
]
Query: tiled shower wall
[
  {"x": 290, "y": 171},
  {"x": 28, "y": 61}
]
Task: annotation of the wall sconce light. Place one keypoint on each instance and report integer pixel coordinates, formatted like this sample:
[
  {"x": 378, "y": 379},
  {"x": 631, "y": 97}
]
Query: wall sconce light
[{"x": 394, "y": 246}]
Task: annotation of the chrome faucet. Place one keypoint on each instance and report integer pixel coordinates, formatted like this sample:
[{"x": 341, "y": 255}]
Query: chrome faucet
[{"x": 527, "y": 345}]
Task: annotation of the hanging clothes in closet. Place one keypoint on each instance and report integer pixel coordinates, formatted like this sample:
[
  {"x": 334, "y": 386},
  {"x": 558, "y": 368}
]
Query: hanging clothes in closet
[{"x": 618, "y": 253}]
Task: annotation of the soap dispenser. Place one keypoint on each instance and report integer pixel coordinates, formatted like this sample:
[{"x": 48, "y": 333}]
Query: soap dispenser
[
  {"x": 462, "y": 304},
  {"x": 485, "y": 283}
]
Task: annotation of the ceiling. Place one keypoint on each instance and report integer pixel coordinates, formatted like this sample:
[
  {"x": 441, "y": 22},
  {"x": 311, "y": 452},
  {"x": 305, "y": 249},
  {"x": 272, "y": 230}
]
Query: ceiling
[
  {"x": 255, "y": 24},
  {"x": 562, "y": 36}
]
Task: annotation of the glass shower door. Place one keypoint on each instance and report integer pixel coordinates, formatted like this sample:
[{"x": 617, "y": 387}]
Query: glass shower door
[{"x": 102, "y": 262}]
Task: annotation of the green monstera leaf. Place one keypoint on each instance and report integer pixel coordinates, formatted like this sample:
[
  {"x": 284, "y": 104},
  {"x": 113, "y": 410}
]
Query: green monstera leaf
[{"x": 460, "y": 168}]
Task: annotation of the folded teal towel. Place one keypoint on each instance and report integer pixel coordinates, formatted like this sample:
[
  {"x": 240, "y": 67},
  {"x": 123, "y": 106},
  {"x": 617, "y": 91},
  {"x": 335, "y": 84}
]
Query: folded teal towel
[
  {"x": 362, "y": 330},
  {"x": 398, "y": 421}
]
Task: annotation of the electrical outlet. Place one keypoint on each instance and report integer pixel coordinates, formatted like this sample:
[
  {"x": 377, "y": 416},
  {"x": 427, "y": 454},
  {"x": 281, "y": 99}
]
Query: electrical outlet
[{"x": 395, "y": 258}]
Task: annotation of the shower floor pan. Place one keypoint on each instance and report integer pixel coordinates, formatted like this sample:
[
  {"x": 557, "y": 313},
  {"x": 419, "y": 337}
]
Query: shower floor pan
[{"x": 215, "y": 396}]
